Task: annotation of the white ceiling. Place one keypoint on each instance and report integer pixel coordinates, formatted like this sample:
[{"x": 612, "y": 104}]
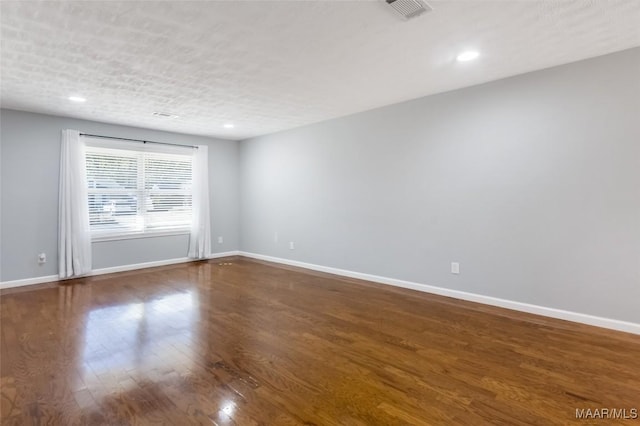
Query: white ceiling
[{"x": 266, "y": 66}]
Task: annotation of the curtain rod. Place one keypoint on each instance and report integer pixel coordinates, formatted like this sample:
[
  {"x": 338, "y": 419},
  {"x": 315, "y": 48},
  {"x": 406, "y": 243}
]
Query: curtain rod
[{"x": 137, "y": 140}]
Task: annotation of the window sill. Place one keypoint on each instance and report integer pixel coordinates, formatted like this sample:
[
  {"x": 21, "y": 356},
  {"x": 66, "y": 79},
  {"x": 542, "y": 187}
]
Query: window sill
[{"x": 116, "y": 237}]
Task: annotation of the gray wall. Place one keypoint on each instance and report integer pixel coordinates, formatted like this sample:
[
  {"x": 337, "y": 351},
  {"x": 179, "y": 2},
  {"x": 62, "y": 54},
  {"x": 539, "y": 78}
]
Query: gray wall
[
  {"x": 532, "y": 183},
  {"x": 30, "y": 148}
]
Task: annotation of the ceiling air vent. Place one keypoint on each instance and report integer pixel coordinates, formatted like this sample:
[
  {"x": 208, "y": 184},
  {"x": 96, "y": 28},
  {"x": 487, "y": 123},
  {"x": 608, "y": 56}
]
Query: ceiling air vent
[
  {"x": 164, "y": 115},
  {"x": 409, "y": 8}
]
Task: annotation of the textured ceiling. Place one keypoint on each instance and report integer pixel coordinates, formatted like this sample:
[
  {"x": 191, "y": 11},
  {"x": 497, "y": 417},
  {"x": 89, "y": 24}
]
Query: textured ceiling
[{"x": 272, "y": 65}]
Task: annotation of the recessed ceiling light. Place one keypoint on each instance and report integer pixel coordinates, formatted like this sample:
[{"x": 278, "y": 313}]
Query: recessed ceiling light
[
  {"x": 77, "y": 99},
  {"x": 229, "y": 126},
  {"x": 468, "y": 55}
]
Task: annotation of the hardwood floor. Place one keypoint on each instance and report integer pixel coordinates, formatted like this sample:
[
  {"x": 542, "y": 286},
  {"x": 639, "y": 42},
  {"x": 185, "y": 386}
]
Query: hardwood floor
[{"x": 240, "y": 342}]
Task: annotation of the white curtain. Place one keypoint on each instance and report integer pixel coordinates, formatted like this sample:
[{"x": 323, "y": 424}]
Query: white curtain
[
  {"x": 74, "y": 237},
  {"x": 200, "y": 239}
]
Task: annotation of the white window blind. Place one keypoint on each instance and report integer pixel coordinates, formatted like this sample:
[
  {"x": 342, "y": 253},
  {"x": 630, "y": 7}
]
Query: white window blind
[{"x": 138, "y": 190}]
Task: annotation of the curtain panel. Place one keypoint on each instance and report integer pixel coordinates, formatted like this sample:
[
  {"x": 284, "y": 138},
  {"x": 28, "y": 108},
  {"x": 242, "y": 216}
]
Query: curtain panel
[
  {"x": 74, "y": 237},
  {"x": 200, "y": 235}
]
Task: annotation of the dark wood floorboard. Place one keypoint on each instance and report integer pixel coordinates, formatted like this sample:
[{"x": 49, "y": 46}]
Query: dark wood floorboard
[{"x": 240, "y": 342}]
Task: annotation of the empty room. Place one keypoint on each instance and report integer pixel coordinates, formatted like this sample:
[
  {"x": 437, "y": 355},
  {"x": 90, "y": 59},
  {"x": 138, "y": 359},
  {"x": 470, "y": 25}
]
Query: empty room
[{"x": 373, "y": 212}]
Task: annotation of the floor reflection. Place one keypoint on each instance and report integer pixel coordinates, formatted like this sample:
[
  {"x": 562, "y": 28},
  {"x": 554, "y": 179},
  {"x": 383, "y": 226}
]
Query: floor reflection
[
  {"x": 136, "y": 348},
  {"x": 140, "y": 335}
]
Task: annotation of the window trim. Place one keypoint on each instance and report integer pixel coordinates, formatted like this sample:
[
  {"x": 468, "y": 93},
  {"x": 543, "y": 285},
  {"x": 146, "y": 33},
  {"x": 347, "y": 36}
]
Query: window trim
[
  {"x": 96, "y": 237},
  {"x": 111, "y": 235}
]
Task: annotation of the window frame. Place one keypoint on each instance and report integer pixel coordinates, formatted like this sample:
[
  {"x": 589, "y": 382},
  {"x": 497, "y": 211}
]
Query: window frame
[{"x": 137, "y": 148}]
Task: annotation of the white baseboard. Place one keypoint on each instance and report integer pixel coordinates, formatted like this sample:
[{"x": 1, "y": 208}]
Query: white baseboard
[
  {"x": 28, "y": 281},
  {"x": 224, "y": 254},
  {"x": 111, "y": 270},
  {"x": 133, "y": 267},
  {"x": 609, "y": 323},
  {"x": 156, "y": 263}
]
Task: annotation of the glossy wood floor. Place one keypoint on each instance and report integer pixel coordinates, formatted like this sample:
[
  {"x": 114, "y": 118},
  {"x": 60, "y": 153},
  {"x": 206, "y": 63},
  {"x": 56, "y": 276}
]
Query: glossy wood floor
[{"x": 249, "y": 343}]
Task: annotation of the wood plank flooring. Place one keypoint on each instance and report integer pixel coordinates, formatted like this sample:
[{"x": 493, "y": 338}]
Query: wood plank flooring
[{"x": 240, "y": 342}]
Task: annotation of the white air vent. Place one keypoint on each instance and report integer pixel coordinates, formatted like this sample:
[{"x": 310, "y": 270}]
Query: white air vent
[
  {"x": 409, "y": 8},
  {"x": 164, "y": 115}
]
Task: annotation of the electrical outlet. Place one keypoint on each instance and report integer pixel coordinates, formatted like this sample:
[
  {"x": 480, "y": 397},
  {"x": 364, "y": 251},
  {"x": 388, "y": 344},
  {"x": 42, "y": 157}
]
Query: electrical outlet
[
  {"x": 292, "y": 246},
  {"x": 42, "y": 258},
  {"x": 275, "y": 237},
  {"x": 455, "y": 268},
  {"x": 220, "y": 240}
]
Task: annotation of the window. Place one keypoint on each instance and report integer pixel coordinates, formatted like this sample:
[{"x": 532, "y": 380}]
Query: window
[{"x": 136, "y": 189}]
